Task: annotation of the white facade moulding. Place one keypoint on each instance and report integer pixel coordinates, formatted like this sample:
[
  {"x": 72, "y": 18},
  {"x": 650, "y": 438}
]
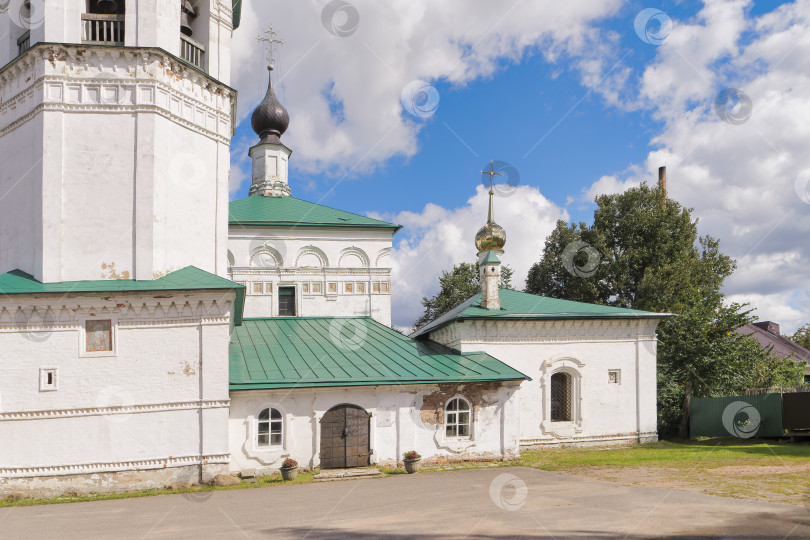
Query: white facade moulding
[
  {"x": 114, "y": 410},
  {"x": 89, "y": 78},
  {"x": 115, "y": 466}
]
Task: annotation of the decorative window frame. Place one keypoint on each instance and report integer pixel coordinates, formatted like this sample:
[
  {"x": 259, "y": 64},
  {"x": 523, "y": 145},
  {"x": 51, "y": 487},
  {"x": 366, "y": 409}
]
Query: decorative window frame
[
  {"x": 312, "y": 250},
  {"x": 385, "y": 252},
  {"x": 456, "y": 445},
  {"x": 266, "y": 250},
  {"x": 83, "y": 320},
  {"x": 573, "y": 368},
  {"x": 268, "y": 454},
  {"x": 356, "y": 251}
]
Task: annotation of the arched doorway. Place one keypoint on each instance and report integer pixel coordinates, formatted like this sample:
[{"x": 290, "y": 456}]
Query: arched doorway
[{"x": 345, "y": 437}]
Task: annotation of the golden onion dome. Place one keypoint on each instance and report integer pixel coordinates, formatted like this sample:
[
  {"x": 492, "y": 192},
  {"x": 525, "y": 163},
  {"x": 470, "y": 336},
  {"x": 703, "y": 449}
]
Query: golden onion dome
[{"x": 490, "y": 236}]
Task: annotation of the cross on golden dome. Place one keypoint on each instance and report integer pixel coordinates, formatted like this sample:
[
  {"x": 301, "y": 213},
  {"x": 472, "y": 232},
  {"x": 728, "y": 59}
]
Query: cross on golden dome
[
  {"x": 492, "y": 174},
  {"x": 491, "y": 236}
]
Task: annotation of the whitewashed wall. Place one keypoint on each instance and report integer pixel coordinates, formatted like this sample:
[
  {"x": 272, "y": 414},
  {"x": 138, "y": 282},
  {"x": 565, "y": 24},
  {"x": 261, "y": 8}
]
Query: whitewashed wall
[
  {"x": 159, "y": 400},
  {"x": 587, "y": 350},
  {"x": 126, "y": 167},
  {"x": 397, "y": 422},
  {"x": 293, "y": 256}
]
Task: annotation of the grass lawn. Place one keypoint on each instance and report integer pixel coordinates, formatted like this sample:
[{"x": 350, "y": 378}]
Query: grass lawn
[{"x": 747, "y": 469}]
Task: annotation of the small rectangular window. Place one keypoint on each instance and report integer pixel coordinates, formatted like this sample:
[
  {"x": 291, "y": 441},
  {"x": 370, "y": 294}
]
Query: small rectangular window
[
  {"x": 361, "y": 288},
  {"x": 258, "y": 288},
  {"x": 348, "y": 287},
  {"x": 384, "y": 287},
  {"x": 268, "y": 288},
  {"x": 99, "y": 335},
  {"x": 286, "y": 301},
  {"x": 305, "y": 288},
  {"x": 316, "y": 288},
  {"x": 375, "y": 287},
  {"x": 331, "y": 287},
  {"x": 614, "y": 376},
  {"x": 47, "y": 380}
]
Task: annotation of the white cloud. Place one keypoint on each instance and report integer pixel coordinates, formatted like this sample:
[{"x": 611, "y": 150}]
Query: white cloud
[
  {"x": 437, "y": 238},
  {"x": 396, "y": 42},
  {"x": 740, "y": 179}
]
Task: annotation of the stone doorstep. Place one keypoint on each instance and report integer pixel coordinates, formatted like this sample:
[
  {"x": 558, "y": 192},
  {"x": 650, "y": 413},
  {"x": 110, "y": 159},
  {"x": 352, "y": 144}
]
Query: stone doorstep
[{"x": 330, "y": 475}]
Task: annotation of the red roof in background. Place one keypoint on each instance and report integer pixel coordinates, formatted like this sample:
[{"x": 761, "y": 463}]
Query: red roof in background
[{"x": 782, "y": 346}]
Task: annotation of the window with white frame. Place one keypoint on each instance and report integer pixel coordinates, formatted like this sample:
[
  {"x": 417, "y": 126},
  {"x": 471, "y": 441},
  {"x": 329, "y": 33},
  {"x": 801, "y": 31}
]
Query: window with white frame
[
  {"x": 457, "y": 418},
  {"x": 269, "y": 429}
]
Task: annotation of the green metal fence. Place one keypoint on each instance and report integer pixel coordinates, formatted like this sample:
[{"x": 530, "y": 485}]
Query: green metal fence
[{"x": 736, "y": 416}]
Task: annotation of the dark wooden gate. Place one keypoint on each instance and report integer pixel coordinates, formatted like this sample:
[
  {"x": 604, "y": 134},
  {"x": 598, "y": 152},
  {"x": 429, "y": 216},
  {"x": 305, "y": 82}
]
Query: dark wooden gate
[{"x": 345, "y": 437}]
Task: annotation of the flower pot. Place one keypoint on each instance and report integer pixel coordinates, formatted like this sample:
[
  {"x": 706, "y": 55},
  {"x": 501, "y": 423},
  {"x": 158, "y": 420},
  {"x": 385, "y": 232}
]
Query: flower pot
[
  {"x": 289, "y": 474},
  {"x": 412, "y": 465}
]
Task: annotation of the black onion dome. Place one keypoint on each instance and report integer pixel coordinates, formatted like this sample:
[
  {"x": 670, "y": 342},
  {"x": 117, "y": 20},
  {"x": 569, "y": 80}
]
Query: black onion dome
[{"x": 270, "y": 119}]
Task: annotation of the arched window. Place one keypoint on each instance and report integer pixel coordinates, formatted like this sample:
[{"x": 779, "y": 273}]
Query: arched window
[
  {"x": 269, "y": 428},
  {"x": 457, "y": 418},
  {"x": 561, "y": 397}
]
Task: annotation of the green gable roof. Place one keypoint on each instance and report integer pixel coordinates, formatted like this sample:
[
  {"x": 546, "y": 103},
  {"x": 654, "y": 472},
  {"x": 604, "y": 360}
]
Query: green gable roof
[
  {"x": 260, "y": 211},
  {"x": 521, "y": 305},
  {"x": 188, "y": 278},
  {"x": 301, "y": 352}
]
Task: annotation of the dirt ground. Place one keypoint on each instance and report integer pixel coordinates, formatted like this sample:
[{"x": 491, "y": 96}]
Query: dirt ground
[{"x": 784, "y": 483}]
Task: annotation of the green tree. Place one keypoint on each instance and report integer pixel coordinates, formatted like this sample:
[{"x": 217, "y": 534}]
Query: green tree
[
  {"x": 802, "y": 336},
  {"x": 455, "y": 287},
  {"x": 643, "y": 252}
]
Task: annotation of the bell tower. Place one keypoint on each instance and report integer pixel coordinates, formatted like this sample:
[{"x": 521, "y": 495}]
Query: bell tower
[{"x": 115, "y": 126}]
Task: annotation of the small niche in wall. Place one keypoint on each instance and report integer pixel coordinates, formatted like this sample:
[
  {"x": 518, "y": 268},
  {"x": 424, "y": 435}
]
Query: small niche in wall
[
  {"x": 614, "y": 376},
  {"x": 47, "y": 379}
]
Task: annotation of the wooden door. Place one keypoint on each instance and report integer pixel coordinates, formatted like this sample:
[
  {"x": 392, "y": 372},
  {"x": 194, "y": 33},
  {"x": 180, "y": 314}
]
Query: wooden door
[{"x": 345, "y": 437}]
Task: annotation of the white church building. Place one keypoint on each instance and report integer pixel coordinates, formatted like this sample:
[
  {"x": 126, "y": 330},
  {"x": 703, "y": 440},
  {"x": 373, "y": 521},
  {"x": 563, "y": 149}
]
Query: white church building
[{"x": 152, "y": 331}]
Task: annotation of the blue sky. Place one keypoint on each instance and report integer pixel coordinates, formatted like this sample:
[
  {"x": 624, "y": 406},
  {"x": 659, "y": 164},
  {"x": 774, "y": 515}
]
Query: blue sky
[{"x": 609, "y": 108}]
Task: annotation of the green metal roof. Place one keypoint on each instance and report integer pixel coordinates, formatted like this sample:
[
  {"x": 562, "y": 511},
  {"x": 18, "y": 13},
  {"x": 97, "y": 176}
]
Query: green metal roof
[
  {"x": 302, "y": 352},
  {"x": 188, "y": 278},
  {"x": 520, "y": 305},
  {"x": 288, "y": 211}
]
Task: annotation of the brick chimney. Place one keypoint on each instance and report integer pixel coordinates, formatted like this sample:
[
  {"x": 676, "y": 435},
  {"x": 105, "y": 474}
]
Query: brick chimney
[
  {"x": 662, "y": 177},
  {"x": 768, "y": 326}
]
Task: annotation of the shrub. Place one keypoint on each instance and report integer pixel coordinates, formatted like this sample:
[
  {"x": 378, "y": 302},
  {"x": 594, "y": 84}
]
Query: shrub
[
  {"x": 411, "y": 454},
  {"x": 289, "y": 463}
]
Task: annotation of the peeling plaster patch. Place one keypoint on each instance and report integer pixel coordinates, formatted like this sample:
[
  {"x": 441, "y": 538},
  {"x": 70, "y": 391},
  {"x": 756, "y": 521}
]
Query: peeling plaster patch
[
  {"x": 188, "y": 370},
  {"x": 108, "y": 271},
  {"x": 478, "y": 394}
]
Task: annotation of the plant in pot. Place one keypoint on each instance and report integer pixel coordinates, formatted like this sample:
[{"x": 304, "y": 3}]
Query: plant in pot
[
  {"x": 411, "y": 459},
  {"x": 289, "y": 469}
]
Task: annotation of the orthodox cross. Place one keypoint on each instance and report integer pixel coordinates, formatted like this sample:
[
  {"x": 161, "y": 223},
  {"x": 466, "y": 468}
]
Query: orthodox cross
[
  {"x": 492, "y": 174},
  {"x": 271, "y": 42}
]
